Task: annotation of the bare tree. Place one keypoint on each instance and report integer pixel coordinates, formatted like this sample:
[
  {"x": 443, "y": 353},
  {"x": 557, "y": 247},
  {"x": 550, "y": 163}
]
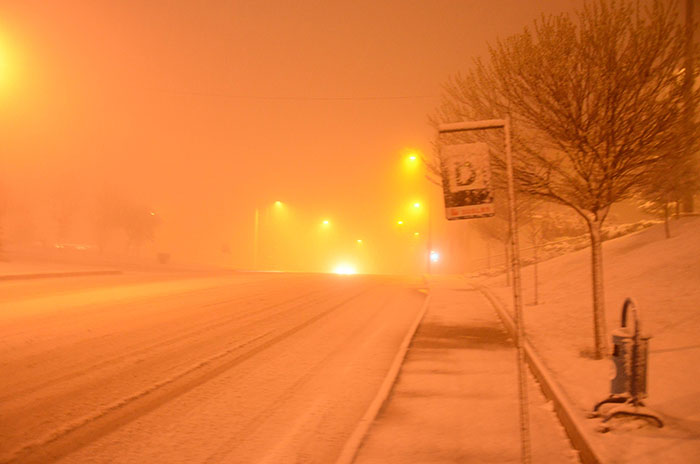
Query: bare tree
[
  {"x": 691, "y": 178},
  {"x": 140, "y": 224},
  {"x": 114, "y": 213},
  {"x": 668, "y": 185},
  {"x": 496, "y": 229},
  {"x": 594, "y": 107},
  {"x": 65, "y": 205}
]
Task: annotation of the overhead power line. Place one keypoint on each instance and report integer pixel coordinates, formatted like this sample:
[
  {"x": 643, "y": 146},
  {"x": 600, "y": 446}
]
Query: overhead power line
[{"x": 299, "y": 98}]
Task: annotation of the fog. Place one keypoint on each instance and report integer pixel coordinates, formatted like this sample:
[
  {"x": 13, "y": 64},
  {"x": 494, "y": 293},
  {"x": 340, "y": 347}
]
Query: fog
[{"x": 194, "y": 116}]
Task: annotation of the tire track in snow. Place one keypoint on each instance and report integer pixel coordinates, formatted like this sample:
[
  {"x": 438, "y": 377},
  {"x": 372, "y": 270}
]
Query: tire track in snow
[
  {"x": 77, "y": 434},
  {"x": 202, "y": 328}
]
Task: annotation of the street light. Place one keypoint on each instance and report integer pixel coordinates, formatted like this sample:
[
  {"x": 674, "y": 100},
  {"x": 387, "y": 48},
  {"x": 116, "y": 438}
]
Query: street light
[
  {"x": 412, "y": 162},
  {"x": 256, "y": 232}
]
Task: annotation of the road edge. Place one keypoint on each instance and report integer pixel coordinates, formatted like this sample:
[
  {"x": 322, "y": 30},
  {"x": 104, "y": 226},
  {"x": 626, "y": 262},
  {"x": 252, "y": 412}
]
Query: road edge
[
  {"x": 588, "y": 454},
  {"x": 354, "y": 442},
  {"x": 46, "y": 275}
]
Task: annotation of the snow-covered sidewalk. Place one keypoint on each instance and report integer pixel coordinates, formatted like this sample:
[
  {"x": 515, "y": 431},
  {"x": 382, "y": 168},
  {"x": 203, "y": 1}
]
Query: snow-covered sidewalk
[
  {"x": 456, "y": 396},
  {"x": 663, "y": 276}
]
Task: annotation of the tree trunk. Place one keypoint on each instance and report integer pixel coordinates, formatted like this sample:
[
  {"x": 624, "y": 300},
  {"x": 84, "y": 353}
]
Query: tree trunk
[
  {"x": 599, "y": 328},
  {"x": 688, "y": 203},
  {"x": 535, "y": 272},
  {"x": 667, "y": 228},
  {"x": 509, "y": 279}
]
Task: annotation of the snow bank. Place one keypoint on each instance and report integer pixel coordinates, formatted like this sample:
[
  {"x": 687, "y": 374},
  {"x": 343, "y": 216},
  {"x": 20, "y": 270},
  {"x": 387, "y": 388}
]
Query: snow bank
[{"x": 663, "y": 276}]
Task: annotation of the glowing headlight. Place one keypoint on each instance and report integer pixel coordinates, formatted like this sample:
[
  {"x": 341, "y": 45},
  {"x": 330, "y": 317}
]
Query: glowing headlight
[{"x": 344, "y": 268}]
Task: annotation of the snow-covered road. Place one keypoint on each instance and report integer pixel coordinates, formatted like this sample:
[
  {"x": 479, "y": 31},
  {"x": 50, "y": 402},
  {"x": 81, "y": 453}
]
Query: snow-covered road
[{"x": 229, "y": 368}]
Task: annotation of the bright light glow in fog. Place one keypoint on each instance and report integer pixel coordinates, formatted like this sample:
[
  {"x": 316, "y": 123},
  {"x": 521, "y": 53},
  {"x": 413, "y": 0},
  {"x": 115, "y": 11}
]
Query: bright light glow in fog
[
  {"x": 345, "y": 269},
  {"x": 434, "y": 256}
]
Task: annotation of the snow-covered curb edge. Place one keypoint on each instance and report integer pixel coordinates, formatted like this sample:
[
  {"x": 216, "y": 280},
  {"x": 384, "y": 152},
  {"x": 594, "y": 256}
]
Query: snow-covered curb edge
[
  {"x": 45, "y": 275},
  {"x": 352, "y": 445},
  {"x": 562, "y": 406}
]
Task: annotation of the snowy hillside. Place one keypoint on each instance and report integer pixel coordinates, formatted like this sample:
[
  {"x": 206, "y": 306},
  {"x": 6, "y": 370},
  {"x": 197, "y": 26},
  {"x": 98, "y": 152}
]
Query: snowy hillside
[{"x": 663, "y": 277}]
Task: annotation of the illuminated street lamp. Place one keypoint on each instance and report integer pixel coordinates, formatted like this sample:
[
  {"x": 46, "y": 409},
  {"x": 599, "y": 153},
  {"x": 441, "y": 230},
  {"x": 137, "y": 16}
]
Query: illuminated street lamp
[{"x": 412, "y": 162}]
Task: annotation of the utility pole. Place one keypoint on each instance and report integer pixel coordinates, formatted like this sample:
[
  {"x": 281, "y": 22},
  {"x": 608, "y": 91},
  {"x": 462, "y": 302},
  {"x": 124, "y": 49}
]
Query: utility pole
[
  {"x": 429, "y": 258},
  {"x": 256, "y": 238}
]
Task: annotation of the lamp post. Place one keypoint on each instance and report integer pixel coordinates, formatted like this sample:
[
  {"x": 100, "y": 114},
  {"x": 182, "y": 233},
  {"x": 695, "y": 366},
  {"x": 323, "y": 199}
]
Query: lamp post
[
  {"x": 256, "y": 238},
  {"x": 256, "y": 233},
  {"x": 429, "y": 239},
  {"x": 412, "y": 161}
]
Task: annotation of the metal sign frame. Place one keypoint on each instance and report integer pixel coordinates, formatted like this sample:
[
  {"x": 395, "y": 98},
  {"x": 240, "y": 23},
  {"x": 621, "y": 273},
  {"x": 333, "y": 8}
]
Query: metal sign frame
[{"x": 515, "y": 266}]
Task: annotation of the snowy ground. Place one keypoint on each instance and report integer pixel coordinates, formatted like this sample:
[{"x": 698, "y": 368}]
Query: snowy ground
[
  {"x": 456, "y": 399},
  {"x": 134, "y": 368},
  {"x": 663, "y": 276},
  {"x": 10, "y": 268},
  {"x": 197, "y": 370}
]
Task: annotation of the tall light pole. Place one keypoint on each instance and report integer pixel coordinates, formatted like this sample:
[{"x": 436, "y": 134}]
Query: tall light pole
[
  {"x": 256, "y": 237},
  {"x": 414, "y": 160},
  {"x": 429, "y": 237},
  {"x": 256, "y": 233}
]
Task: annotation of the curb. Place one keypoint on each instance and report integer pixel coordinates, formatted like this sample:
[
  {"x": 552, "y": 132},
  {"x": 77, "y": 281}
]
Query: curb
[
  {"x": 46, "y": 275},
  {"x": 551, "y": 389},
  {"x": 352, "y": 445}
]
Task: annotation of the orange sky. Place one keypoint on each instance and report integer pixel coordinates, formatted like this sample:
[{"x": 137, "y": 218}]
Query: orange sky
[{"x": 207, "y": 110}]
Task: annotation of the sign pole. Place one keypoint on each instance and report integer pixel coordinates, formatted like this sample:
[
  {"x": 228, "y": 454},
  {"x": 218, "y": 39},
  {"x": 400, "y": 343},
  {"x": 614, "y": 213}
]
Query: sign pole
[
  {"x": 452, "y": 195},
  {"x": 517, "y": 300}
]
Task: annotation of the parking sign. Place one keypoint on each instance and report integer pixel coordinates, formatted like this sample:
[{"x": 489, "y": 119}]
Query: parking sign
[{"x": 466, "y": 181}]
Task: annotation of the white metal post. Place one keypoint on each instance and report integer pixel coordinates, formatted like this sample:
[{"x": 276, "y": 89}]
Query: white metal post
[
  {"x": 514, "y": 266},
  {"x": 517, "y": 300}
]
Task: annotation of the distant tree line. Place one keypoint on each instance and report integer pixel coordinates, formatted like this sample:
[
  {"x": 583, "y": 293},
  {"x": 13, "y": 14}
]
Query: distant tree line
[{"x": 110, "y": 221}]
